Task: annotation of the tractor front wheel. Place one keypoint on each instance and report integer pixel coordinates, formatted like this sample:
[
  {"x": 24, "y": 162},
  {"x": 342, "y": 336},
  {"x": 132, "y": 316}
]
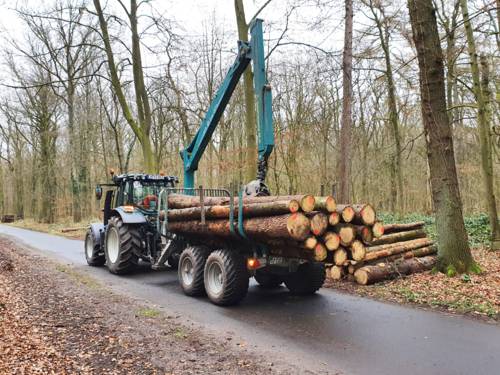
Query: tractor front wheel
[
  {"x": 121, "y": 246},
  {"x": 92, "y": 251}
]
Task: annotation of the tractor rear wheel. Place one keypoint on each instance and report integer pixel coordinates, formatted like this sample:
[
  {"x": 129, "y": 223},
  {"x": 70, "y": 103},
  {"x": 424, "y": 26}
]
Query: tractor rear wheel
[
  {"x": 307, "y": 279},
  {"x": 190, "y": 270},
  {"x": 268, "y": 280},
  {"x": 226, "y": 277},
  {"x": 121, "y": 246},
  {"x": 92, "y": 250}
]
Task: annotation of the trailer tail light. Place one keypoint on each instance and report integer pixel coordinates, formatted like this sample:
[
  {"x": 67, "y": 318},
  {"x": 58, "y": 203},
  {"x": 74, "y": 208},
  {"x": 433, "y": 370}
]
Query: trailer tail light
[
  {"x": 128, "y": 209},
  {"x": 253, "y": 263}
]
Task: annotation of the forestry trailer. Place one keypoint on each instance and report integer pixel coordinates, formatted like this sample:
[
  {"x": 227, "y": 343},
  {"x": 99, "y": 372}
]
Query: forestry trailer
[{"x": 137, "y": 224}]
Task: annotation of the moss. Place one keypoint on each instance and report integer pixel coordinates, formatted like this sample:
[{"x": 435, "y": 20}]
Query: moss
[
  {"x": 147, "y": 313},
  {"x": 451, "y": 271},
  {"x": 475, "y": 268}
]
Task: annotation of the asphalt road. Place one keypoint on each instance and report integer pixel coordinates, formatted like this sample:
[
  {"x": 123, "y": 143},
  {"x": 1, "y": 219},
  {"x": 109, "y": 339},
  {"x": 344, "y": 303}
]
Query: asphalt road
[{"x": 327, "y": 333}]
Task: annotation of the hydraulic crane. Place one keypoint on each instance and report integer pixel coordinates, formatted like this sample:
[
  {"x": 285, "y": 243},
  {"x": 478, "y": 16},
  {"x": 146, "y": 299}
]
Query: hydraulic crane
[{"x": 252, "y": 51}]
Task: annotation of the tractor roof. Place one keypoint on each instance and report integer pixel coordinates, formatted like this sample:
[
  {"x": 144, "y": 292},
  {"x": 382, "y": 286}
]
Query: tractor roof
[{"x": 143, "y": 177}]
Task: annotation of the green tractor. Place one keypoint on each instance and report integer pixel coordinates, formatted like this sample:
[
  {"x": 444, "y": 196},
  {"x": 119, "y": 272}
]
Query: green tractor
[{"x": 129, "y": 231}]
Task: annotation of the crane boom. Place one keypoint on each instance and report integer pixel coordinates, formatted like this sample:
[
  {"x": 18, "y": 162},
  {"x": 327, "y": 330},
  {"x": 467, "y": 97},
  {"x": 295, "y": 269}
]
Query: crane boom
[{"x": 252, "y": 51}]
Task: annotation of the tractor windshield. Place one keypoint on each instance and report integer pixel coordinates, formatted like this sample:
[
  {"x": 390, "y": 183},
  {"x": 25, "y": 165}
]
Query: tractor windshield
[{"x": 145, "y": 194}]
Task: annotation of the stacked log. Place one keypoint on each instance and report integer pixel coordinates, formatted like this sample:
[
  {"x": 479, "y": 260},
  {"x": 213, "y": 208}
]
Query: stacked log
[{"x": 347, "y": 237}]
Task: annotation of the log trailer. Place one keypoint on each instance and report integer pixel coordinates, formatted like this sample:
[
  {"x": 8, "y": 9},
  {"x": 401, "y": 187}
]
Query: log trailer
[{"x": 136, "y": 225}]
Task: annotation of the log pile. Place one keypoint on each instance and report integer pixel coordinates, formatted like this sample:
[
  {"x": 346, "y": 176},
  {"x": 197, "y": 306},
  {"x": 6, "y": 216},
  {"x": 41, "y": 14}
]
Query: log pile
[{"x": 349, "y": 238}]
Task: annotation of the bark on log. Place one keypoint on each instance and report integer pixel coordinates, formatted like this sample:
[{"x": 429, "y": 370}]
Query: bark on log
[
  {"x": 399, "y": 236},
  {"x": 331, "y": 240},
  {"x": 306, "y": 202},
  {"x": 336, "y": 272},
  {"x": 401, "y": 247},
  {"x": 346, "y": 233},
  {"x": 358, "y": 250},
  {"x": 392, "y": 228},
  {"x": 296, "y": 226},
  {"x": 325, "y": 204},
  {"x": 378, "y": 229},
  {"x": 346, "y": 212},
  {"x": 339, "y": 256},
  {"x": 334, "y": 218},
  {"x": 371, "y": 274},
  {"x": 319, "y": 223},
  {"x": 417, "y": 253}
]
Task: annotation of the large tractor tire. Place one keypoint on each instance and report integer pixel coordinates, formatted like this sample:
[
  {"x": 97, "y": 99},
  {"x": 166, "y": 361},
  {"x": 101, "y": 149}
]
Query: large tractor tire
[
  {"x": 92, "y": 251},
  {"x": 308, "y": 279},
  {"x": 226, "y": 277},
  {"x": 121, "y": 246},
  {"x": 268, "y": 280},
  {"x": 190, "y": 270}
]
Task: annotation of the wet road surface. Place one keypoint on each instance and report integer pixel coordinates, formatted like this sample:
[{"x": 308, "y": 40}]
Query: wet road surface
[{"x": 330, "y": 332}]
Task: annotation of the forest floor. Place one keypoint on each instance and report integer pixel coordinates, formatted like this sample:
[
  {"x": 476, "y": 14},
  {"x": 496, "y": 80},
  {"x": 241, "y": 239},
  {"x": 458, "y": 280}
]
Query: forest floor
[
  {"x": 473, "y": 295},
  {"x": 55, "y": 320}
]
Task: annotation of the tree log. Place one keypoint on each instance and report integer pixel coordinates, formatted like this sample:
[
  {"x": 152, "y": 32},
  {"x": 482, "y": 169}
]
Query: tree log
[
  {"x": 339, "y": 256},
  {"x": 378, "y": 229},
  {"x": 319, "y": 223},
  {"x": 358, "y": 250},
  {"x": 364, "y": 214},
  {"x": 417, "y": 253},
  {"x": 325, "y": 204},
  {"x": 336, "y": 272},
  {"x": 222, "y": 212},
  {"x": 310, "y": 242},
  {"x": 371, "y": 274},
  {"x": 320, "y": 252},
  {"x": 346, "y": 212},
  {"x": 346, "y": 233},
  {"x": 400, "y": 247},
  {"x": 399, "y": 236},
  {"x": 334, "y": 218},
  {"x": 364, "y": 233},
  {"x": 306, "y": 202},
  {"x": 332, "y": 240},
  {"x": 392, "y": 228},
  {"x": 296, "y": 226}
]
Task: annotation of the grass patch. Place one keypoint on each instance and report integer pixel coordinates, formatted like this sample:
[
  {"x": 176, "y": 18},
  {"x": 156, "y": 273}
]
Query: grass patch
[
  {"x": 180, "y": 333},
  {"x": 78, "y": 277},
  {"x": 56, "y": 228},
  {"x": 147, "y": 312}
]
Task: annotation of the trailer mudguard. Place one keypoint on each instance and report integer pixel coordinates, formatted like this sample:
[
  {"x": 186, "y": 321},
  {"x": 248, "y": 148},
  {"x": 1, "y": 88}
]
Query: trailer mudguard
[
  {"x": 134, "y": 217},
  {"x": 97, "y": 230}
]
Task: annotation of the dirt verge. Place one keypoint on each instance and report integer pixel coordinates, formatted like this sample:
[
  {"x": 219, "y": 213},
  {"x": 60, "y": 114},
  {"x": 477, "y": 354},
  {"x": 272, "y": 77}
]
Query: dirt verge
[{"x": 54, "y": 320}]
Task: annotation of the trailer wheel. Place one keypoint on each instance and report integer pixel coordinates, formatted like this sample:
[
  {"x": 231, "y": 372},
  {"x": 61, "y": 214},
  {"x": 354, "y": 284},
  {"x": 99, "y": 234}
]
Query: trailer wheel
[
  {"x": 121, "y": 246},
  {"x": 191, "y": 264},
  {"x": 268, "y": 280},
  {"x": 307, "y": 279},
  {"x": 92, "y": 250},
  {"x": 226, "y": 277}
]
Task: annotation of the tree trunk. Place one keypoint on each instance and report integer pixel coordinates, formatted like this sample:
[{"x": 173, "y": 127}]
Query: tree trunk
[
  {"x": 346, "y": 127},
  {"x": 372, "y": 274},
  {"x": 250, "y": 117},
  {"x": 400, "y": 247},
  {"x": 454, "y": 252}
]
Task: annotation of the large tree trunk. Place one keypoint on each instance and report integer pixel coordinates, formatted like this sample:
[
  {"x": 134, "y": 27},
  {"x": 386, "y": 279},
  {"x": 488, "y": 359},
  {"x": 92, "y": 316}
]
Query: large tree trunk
[
  {"x": 250, "y": 119},
  {"x": 346, "y": 127},
  {"x": 454, "y": 252}
]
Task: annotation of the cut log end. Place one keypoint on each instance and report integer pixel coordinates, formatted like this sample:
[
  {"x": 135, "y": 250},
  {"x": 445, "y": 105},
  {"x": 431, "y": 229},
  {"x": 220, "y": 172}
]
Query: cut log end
[
  {"x": 339, "y": 256},
  {"x": 361, "y": 276},
  {"x": 332, "y": 240},
  {"x": 358, "y": 250},
  {"x": 378, "y": 229},
  {"x": 298, "y": 226},
  {"x": 348, "y": 214},
  {"x": 320, "y": 253},
  {"x": 307, "y": 203},
  {"x": 336, "y": 272},
  {"x": 310, "y": 242},
  {"x": 334, "y": 218},
  {"x": 346, "y": 234},
  {"x": 294, "y": 206},
  {"x": 319, "y": 224}
]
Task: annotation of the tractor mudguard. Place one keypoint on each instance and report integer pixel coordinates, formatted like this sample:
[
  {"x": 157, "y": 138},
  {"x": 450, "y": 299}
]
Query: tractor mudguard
[
  {"x": 97, "y": 230},
  {"x": 135, "y": 217}
]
